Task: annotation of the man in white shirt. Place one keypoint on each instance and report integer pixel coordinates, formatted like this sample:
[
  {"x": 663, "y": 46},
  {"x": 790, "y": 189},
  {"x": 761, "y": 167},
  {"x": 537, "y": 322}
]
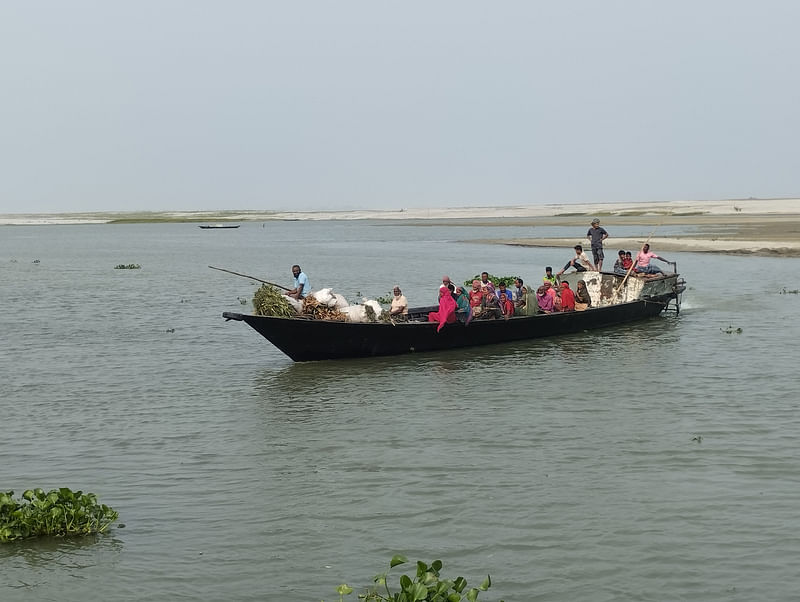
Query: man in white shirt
[{"x": 580, "y": 262}]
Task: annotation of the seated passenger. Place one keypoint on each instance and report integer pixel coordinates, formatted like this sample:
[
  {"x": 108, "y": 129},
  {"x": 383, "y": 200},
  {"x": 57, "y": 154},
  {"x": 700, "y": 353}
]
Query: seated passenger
[
  {"x": 462, "y": 298},
  {"x": 506, "y": 306},
  {"x": 446, "y": 282},
  {"x": 399, "y": 303},
  {"x": 580, "y": 262},
  {"x": 490, "y": 305},
  {"x": 520, "y": 292},
  {"x": 462, "y": 303},
  {"x": 501, "y": 288},
  {"x": 583, "y": 300},
  {"x": 544, "y": 300},
  {"x": 628, "y": 261},
  {"x": 447, "y": 309},
  {"x": 619, "y": 264},
  {"x": 643, "y": 265},
  {"x": 567, "y": 297},
  {"x": 476, "y": 296},
  {"x": 550, "y": 290}
]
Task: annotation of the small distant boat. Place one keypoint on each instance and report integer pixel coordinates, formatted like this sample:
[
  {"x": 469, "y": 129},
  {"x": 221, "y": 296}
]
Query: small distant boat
[{"x": 218, "y": 226}]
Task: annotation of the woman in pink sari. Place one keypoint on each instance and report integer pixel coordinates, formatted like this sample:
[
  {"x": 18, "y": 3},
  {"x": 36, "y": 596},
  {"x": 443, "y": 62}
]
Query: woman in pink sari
[{"x": 447, "y": 309}]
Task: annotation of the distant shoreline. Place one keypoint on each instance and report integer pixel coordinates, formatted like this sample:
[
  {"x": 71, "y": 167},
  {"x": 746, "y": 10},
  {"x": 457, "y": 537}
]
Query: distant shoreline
[
  {"x": 769, "y": 227},
  {"x": 673, "y": 210}
]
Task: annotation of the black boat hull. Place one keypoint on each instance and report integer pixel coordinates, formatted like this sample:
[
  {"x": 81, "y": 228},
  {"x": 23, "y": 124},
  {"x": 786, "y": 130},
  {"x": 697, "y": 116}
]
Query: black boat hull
[{"x": 307, "y": 339}]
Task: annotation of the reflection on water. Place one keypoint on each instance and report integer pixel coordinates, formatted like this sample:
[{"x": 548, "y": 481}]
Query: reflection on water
[{"x": 32, "y": 563}]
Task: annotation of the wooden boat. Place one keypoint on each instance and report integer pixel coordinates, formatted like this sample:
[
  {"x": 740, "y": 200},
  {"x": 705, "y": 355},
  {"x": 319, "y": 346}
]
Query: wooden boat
[
  {"x": 218, "y": 226},
  {"x": 616, "y": 300}
]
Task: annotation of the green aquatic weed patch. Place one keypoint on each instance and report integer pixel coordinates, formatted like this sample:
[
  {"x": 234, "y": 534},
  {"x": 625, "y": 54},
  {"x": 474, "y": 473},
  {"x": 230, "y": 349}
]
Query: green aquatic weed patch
[
  {"x": 426, "y": 585},
  {"x": 495, "y": 280},
  {"x": 59, "y": 512}
]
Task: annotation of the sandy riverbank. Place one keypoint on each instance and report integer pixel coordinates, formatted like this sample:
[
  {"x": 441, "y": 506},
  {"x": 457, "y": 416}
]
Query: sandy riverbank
[{"x": 748, "y": 226}]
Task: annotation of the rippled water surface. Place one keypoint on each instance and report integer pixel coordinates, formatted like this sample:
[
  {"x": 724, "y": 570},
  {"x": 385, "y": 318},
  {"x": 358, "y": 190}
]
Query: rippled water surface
[{"x": 657, "y": 461}]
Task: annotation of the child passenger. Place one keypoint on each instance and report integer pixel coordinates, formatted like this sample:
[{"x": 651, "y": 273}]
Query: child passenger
[
  {"x": 618, "y": 264},
  {"x": 548, "y": 276}
]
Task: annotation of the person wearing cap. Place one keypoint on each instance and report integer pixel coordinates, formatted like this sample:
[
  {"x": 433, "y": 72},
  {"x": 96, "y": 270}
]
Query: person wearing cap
[
  {"x": 580, "y": 262},
  {"x": 567, "y": 297},
  {"x": 548, "y": 276},
  {"x": 597, "y": 235}
]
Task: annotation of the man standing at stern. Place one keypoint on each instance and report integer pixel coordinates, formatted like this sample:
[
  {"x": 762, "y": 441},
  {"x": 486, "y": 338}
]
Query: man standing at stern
[{"x": 597, "y": 235}]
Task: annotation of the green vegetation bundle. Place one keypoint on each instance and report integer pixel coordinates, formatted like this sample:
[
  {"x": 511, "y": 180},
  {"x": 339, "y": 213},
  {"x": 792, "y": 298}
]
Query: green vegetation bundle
[
  {"x": 60, "y": 512},
  {"x": 269, "y": 301},
  {"x": 427, "y": 586},
  {"x": 130, "y": 266},
  {"x": 507, "y": 280}
]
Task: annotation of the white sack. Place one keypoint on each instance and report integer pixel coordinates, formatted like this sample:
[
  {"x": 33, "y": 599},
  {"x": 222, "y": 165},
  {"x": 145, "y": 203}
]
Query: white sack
[
  {"x": 298, "y": 305},
  {"x": 339, "y": 301},
  {"x": 323, "y": 296},
  {"x": 355, "y": 313},
  {"x": 376, "y": 306}
]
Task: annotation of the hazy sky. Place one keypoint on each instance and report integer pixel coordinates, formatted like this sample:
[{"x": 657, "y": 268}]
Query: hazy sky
[{"x": 192, "y": 104}]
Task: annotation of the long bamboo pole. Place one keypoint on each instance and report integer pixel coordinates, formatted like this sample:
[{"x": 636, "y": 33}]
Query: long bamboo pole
[{"x": 251, "y": 277}]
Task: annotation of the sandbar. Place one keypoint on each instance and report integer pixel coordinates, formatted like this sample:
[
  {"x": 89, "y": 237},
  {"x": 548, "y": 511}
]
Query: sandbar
[{"x": 769, "y": 227}]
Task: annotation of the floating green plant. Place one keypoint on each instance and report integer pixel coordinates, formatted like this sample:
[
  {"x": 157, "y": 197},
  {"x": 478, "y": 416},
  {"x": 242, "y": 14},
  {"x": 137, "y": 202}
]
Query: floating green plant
[
  {"x": 59, "y": 512},
  {"x": 130, "y": 266},
  {"x": 786, "y": 291},
  {"x": 731, "y": 330},
  {"x": 427, "y": 586},
  {"x": 507, "y": 280}
]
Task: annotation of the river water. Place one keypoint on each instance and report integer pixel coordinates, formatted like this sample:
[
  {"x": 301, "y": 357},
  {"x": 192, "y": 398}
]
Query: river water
[{"x": 656, "y": 461}]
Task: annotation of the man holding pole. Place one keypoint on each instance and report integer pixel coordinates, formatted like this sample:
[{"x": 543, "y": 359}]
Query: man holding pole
[{"x": 301, "y": 284}]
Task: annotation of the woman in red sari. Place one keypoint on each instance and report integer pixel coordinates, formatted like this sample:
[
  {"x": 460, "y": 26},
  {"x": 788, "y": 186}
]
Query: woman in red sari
[{"x": 447, "y": 309}]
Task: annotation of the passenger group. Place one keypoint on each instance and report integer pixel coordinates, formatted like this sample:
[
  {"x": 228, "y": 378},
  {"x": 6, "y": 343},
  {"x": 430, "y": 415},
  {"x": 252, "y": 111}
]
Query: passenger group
[{"x": 487, "y": 300}]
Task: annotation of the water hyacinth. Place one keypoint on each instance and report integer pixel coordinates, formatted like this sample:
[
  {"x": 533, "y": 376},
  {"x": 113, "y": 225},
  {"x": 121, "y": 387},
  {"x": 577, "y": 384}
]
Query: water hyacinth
[
  {"x": 59, "y": 512},
  {"x": 427, "y": 585}
]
